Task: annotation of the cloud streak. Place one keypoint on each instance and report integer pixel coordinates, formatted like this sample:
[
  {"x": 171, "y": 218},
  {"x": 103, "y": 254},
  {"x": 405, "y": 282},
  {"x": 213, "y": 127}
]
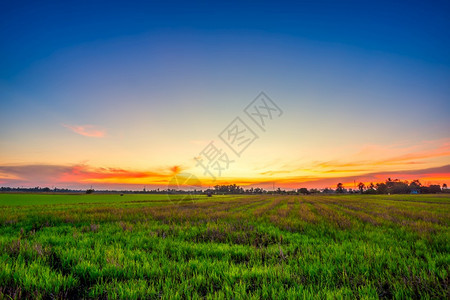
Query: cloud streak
[
  {"x": 409, "y": 158},
  {"x": 371, "y": 159},
  {"x": 87, "y": 130},
  {"x": 81, "y": 175},
  {"x": 437, "y": 175}
]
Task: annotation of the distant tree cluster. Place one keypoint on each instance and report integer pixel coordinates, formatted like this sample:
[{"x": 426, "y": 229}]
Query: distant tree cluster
[
  {"x": 36, "y": 189},
  {"x": 236, "y": 189},
  {"x": 229, "y": 189},
  {"x": 396, "y": 186},
  {"x": 390, "y": 186}
]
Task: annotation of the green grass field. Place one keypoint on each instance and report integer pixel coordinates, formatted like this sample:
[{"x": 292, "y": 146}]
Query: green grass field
[{"x": 145, "y": 246}]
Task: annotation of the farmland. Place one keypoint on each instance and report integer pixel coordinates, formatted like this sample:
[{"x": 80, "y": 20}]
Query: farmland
[{"x": 259, "y": 246}]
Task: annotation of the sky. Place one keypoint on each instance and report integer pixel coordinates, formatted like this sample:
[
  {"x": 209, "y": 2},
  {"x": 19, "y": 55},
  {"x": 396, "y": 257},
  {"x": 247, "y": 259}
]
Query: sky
[{"x": 121, "y": 95}]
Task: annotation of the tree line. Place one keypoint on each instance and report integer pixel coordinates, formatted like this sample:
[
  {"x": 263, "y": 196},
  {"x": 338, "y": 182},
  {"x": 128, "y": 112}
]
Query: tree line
[
  {"x": 396, "y": 186},
  {"x": 390, "y": 186}
]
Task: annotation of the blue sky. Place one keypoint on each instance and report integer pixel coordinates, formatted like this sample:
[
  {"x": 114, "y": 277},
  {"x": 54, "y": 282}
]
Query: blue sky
[
  {"x": 416, "y": 29},
  {"x": 158, "y": 79}
]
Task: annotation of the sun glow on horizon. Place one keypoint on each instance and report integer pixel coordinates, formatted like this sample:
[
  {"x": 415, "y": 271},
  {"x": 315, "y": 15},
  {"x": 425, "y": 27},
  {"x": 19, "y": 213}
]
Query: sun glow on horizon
[{"x": 127, "y": 101}]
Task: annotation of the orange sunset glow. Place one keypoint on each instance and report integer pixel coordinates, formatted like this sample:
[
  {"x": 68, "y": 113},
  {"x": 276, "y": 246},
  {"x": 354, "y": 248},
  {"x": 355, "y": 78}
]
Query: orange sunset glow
[
  {"x": 428, "y": 163},
  {"x": 133, "y": 108}
]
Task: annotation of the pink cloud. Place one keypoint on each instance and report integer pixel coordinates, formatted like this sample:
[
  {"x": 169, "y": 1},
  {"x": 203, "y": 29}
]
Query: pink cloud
[
  {"x": 436, "y": 175},
  {"x": 81, "y": 174},
  {"x": 87, "y": 130}
]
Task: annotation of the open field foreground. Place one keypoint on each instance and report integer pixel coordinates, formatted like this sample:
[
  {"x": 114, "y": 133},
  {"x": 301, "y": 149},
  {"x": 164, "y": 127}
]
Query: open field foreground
[{"x": 145, "y": 246}]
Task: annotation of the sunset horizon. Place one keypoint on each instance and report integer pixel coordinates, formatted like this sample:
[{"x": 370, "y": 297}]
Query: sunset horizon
[
  {"x": 224, "y": 149},
  {"x": 128, "y": 99},
  {"x": 322, "y": 175}
]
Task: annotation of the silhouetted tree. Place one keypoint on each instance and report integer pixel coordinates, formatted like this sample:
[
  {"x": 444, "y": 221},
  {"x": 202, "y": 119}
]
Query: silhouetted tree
[
  {"x": 432, "y": 189},
  {"x": 397, "y": 187},
  {"x": 340, "y": 188},
  {"x": 382, "y": 188},
  {"x": 327, "y": 190},
  {"x": 361, "y": 187},
  {"x": 303, "y": 191},
  {"x": 415, "y": 184}
]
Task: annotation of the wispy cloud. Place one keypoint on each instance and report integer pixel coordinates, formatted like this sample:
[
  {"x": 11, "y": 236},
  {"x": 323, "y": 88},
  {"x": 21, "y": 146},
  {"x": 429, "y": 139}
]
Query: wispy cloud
[
  {"x": 437, "y": 175},
  {"x": 374, "y": 158},
  {"x": 81, "y": 174},
  {"x": 87, "y": 130}
]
